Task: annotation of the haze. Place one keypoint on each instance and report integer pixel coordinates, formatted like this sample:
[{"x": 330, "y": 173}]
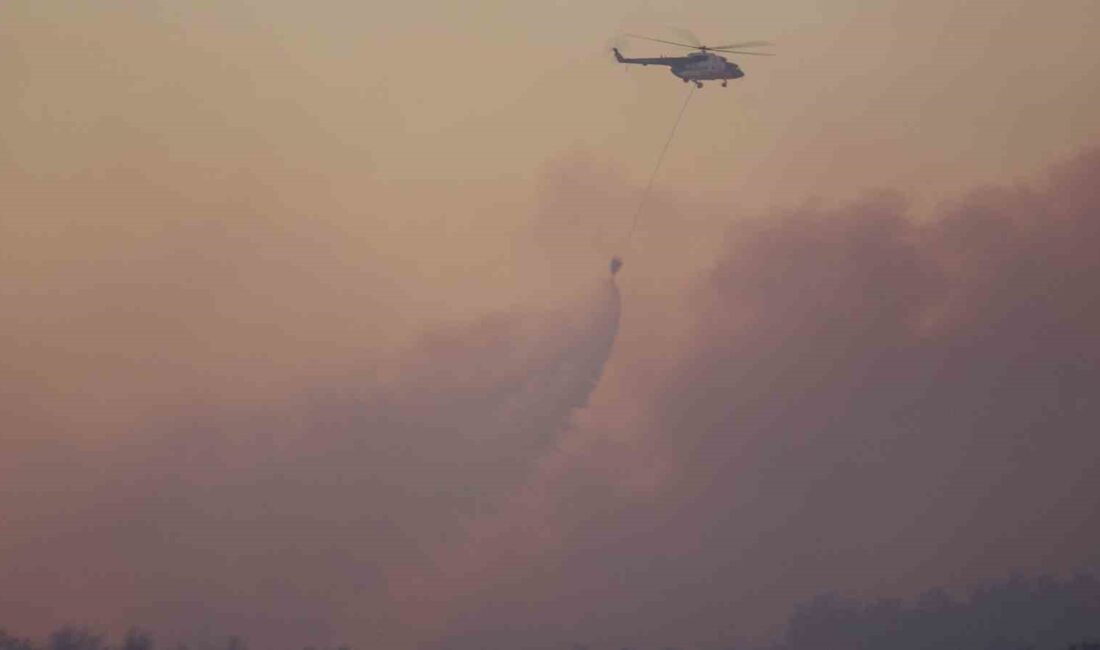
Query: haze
[{"x": 308, "y": 335}]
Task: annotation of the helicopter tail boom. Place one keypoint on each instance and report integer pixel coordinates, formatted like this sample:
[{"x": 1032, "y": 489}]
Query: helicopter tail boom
[{"x": 660, "y": 60}]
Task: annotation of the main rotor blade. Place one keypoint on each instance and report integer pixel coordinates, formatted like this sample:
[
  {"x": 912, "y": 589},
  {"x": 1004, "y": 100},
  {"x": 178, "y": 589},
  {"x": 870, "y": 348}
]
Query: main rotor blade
[
  {"x": 740, "y": 45},
  {"x": 662, "y": 41},
  {"x": 686, "y": 34},
  {"x": 743, "y": 52}
]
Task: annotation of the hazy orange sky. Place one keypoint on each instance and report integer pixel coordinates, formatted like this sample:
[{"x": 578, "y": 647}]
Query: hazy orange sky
[{"x": 299, "y": 300}]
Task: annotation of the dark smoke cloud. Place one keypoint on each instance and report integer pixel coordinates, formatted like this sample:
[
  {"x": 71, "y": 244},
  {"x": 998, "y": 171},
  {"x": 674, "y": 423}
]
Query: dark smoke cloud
[
  {"x": 863, "y": 402},
  {"x": 869, "y": 404}
]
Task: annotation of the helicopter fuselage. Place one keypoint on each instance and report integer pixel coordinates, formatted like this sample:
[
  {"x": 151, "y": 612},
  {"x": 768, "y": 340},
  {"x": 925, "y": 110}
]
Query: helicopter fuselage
[{"x": 698, "y": 66}]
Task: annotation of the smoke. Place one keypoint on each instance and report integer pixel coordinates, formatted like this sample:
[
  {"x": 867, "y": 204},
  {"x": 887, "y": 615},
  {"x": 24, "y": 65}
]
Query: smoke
[
  {"x": 304, "y": 520},
  {"x": 865, "y": 403},
  {"x": 853, "y": 400},
  {"x": 249, "y": 384},
  {"x": 248, "y": 390},
  {"x": 511, "y": 485}
]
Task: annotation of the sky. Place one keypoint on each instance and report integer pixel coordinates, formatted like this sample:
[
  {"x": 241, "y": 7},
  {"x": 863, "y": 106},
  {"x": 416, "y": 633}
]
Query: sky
[{"x": 308, "y": 334}]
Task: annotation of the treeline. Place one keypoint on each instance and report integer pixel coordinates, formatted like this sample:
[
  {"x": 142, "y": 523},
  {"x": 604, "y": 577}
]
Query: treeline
[
  {"x": 82, "y": 638},
  {"x": 1040, "y": 613}
]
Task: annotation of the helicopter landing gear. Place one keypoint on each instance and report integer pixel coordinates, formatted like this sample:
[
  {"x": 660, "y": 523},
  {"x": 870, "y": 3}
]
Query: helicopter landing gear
[{"x": 698, "y": 84}]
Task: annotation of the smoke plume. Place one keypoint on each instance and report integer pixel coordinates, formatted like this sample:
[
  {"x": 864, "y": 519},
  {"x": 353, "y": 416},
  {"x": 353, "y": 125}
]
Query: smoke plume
[{"x": 289, "y": 519}]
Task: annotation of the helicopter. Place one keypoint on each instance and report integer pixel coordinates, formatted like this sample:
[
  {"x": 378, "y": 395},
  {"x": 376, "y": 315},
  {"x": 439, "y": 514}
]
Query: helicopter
[{"x": 698, "y": 66}]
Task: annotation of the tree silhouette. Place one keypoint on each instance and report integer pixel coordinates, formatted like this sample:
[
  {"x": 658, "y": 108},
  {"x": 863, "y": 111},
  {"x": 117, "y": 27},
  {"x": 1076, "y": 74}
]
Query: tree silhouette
[
  {"x": 1040, "y": 613},
  {"x": 76, "y": 638},
  {"x": 137, "y": 640},
  {"x": 8, "y": 642}
]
